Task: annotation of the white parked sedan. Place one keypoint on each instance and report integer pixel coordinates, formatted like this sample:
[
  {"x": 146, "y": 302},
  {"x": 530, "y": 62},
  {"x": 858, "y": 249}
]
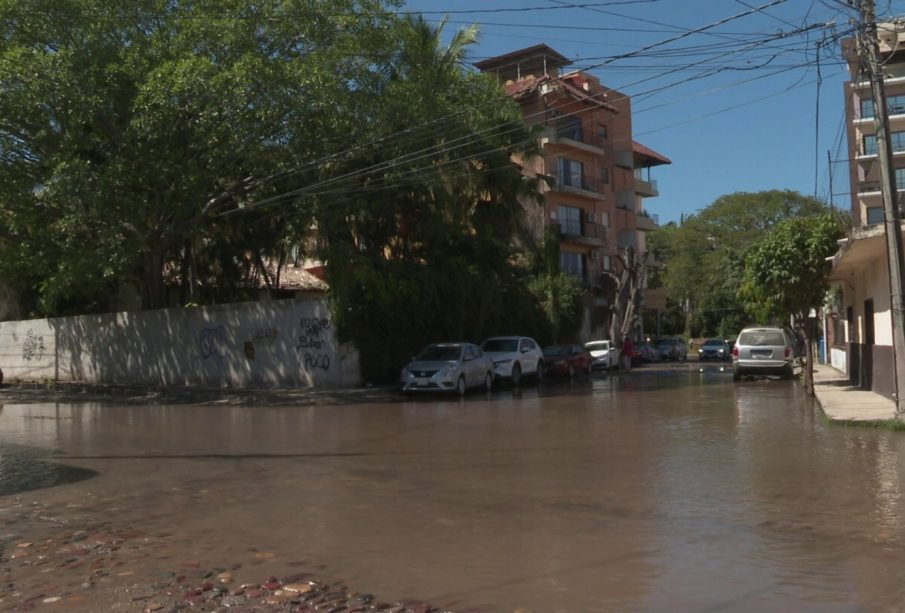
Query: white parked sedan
[
  {"x": 604, "y": 354},
  {"x": 514, "y": 357},
  {"x": 447, "y": 367}
]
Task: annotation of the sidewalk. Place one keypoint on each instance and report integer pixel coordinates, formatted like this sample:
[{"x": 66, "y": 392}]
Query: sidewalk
[{"x": 842, "y": 402}]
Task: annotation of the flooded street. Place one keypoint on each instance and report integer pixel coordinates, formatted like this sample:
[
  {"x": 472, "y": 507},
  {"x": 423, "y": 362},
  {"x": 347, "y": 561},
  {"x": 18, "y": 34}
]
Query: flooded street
[{"x": 666, "y": 489}]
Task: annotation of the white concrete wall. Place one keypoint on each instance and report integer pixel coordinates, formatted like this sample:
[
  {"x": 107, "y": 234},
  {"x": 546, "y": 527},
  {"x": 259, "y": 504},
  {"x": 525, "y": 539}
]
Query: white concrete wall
[
  {"x": 280, "y": 343},
  {"x": 872, "y": 283}
]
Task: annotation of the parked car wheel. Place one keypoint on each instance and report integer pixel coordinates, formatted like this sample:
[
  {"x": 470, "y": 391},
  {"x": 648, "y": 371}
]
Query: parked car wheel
[
  {"x": 540, "y": 372},
  {"x": 460, "y": 385},
  {"x": 516, "y": 374},
  {"x": 571, "y": 372},
  {"x": 736, "y": 375},
  {"x": 587, "y": 369},
  {"x": 488, "y": 381},
  {"x": 787, "y": 372}
]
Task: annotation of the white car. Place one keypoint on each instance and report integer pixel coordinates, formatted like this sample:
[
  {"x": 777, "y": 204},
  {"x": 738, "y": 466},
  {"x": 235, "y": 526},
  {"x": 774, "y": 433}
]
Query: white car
[
  {"x": 604, "y": 354},
  {"x": 514, "y": 357}
]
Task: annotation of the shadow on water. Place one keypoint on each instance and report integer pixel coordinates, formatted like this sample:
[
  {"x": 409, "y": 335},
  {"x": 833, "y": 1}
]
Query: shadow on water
[{"x": 23, "y": 469}]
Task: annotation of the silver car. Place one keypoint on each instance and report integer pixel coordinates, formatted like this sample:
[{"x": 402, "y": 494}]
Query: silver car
[
  {"x": 762, "y": 351},
  {"x": 448, "y": 367}
]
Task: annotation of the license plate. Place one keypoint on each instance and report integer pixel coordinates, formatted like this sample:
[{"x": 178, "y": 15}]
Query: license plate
[
  {"x": 761, "y": 353},
  {"x": 422, "y": 382}
]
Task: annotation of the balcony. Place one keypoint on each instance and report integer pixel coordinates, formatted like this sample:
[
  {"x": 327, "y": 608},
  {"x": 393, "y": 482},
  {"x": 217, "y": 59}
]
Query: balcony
[
  {"x": 583, "y": 232},
  {"x": 581, "y": 185},
  {"x": 646, "y": 222},
  {"x": 574, "y": 136},
  {"x": 648, "y": 188},
  {"x": 871, "y": 188}
]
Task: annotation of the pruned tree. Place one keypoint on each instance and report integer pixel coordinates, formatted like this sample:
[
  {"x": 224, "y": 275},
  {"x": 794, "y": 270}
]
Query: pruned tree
[
  {"x": 626, "y": 288},
  {"x": 786, "y": 275}
]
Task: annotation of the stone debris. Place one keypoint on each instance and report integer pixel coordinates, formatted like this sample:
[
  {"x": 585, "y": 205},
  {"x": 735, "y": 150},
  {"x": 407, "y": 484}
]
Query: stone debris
[{"x": 105, "y": 567}]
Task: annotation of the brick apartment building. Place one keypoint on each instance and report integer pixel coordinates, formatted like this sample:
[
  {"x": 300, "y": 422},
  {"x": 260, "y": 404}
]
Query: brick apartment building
[{"x": 601, "y": 176}]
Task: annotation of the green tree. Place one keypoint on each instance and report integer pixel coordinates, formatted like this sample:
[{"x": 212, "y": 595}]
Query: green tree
[
  {"x": 133, "y": 126},
  {"x": 418, "y": 234},
  {"x": 786, "y": 275},
  {"x": 702, "y": 259}
]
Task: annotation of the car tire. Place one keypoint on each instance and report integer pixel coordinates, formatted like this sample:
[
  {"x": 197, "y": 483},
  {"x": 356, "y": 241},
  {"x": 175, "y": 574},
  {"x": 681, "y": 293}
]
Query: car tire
[
  {"x": 736, "y": 375},
  {"x": 588, "y": 369},
  {"x": 460, "y": 385},
  {"x": 488, "y": 382},
  {"x": 571, "y": 372},
  {"x": 516, "y": 374},
  {"x": 787, "y": 372},
  {"x": 540, "y": 371}
]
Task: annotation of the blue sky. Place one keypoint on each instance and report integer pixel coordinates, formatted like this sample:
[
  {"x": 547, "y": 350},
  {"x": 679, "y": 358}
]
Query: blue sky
[{"x": 744, "y": 118}]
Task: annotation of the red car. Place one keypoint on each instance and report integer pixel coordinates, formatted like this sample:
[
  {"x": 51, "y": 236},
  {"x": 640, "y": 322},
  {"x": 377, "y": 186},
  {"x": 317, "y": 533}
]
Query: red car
[{"x": 567, "y": 360}]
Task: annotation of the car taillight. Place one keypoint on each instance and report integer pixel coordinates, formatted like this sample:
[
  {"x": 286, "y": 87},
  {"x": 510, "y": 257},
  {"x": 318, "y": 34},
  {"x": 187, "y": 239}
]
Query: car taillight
[
  {"x": 788, "y": 352},
  {"x": 735, "y": 351}
]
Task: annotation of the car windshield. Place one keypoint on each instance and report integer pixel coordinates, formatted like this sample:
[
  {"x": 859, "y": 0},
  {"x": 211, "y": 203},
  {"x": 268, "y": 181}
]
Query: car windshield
[
  {"x": 597, "y": 345},
  {"x": 762, "y": 338},
  {"x": 557, "y": 350},
  {"x": 500, "y": 345},
  {"x": 713, "y": 343},
  {"x": 665, "y": 344},
  {"x": 440, "y": 353}
]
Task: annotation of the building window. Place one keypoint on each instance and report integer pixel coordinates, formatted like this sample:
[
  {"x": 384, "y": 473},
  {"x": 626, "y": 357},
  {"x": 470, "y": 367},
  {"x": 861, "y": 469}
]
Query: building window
[
  {"x": 570, "y": 172},
  {"x": 867, "y": 109},
  {"x": 601, "y": 132},
  {"x": 605, "y": 219},
  {"x": 572, "y": 263},
  {"x": 874, "y": 215},
  {"x": 607, "y": 263},
  {"x": 569, "y": 220},
  {"x": 896, "y": 105},
  {"x": 900, "y": 178},
  {"x": 604, "y": 175},
  {"x": 870, "y": 145},
  {"x": 898, "y": 141}
]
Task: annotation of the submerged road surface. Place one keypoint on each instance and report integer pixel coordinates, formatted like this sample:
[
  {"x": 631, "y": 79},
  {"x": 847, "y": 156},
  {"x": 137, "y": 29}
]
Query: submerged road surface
[{"x": 658, "y": 490}]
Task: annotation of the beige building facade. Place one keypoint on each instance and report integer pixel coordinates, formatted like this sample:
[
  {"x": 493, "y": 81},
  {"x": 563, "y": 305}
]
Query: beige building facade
[{"x": 861, "y": 338}]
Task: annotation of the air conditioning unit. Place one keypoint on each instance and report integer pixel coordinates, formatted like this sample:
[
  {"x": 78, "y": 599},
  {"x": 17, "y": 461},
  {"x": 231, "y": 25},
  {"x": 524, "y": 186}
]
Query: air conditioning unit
[
  {"x": 592, "y": 217},
  {"x": 595, "y": 255}
]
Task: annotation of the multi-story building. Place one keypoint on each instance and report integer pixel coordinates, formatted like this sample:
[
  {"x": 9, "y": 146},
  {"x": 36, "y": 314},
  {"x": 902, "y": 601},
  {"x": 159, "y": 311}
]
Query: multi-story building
[
  {"x": 861, "y": 337},
  {"x": 600, "y": 175}
]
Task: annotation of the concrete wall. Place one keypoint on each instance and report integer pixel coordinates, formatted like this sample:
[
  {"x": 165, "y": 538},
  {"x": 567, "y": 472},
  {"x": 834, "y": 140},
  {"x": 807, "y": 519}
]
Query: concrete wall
[
  {"x": 838, "y": 359},
  {"x": 282, "y": 343}
]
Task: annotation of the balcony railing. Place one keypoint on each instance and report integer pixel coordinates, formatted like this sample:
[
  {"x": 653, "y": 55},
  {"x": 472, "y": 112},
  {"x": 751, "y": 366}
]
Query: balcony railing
[
  {"x": 583, "y": 229},
  {"x": 584, "y": 182},
  {"x": 874, "y": 186},
  {"x": 576, "y": 133}
]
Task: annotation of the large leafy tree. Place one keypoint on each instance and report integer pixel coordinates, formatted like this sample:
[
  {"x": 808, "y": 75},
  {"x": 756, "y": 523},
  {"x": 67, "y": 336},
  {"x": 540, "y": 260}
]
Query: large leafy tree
[
  {"x": 128, "y": 128},
  {"x": 786, "y": 274},
  {"x": 703, "y": 258},
  {"x": 418, "y": 235}
]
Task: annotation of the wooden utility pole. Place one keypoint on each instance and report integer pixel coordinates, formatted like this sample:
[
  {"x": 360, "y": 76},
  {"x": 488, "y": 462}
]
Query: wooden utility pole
[{"x": 870, "y": 50}]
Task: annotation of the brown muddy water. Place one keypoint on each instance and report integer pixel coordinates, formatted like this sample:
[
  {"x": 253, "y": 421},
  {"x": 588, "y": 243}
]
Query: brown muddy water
[{"x": 672, "y": 490}]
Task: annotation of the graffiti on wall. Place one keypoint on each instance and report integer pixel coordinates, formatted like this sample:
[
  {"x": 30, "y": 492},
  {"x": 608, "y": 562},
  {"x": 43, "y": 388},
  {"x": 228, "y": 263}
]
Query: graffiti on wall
[
  {"x": 33, "y": 346},
  {"x": 213, "y": 343},
  {"x": 312, "y": 344}
]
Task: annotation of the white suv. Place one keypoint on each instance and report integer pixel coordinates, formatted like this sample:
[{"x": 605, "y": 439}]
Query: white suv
[
  {"x": 514, "y": 357},
  {"x": 763, "y": 350}
]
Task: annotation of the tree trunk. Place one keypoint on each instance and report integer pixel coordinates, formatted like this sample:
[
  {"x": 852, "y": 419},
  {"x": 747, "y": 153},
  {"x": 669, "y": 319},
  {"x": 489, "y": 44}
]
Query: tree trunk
[
  {"x": 154, "y": 294},
  {"x": 802, "y": 325}
]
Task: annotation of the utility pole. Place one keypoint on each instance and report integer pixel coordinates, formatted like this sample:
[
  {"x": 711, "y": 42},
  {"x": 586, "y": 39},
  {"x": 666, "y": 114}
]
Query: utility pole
[{"x": 891, "y": 220}]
